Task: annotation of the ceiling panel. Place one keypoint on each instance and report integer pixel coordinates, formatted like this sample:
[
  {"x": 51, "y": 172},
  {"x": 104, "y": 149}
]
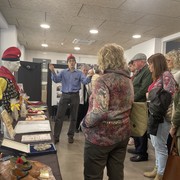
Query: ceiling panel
[
  {"x": 104, "y": 3},
  {"x": 158, "y": 7},
  {"x": 109, "y": 14},
  {"x": 116, "y": 20}
]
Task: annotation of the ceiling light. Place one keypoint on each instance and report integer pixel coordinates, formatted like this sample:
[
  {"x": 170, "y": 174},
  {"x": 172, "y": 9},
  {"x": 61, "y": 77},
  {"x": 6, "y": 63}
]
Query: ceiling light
[
  {"x": 93, "y": 31},
  {"x": 45, "y": 26},
  {"x": 136, "y": 36},
  {"x": 44, "y": 45},
  {"x": 77, "y": 48}
]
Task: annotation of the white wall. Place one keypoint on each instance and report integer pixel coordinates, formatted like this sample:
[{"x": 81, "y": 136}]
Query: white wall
[
  {"x": 8, "y": 38},
  {"x": 29, "y": 55},
  {"x": 149, "y": 47}
]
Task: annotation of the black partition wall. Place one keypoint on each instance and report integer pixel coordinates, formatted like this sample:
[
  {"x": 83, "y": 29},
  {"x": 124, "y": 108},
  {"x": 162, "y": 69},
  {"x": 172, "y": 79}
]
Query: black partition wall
[{"x": 29, "y": 74}]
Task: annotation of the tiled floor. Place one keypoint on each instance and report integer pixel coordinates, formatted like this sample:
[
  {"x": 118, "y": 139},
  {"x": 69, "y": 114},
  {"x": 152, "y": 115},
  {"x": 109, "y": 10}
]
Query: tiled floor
[{"x": 70, "y": 158}]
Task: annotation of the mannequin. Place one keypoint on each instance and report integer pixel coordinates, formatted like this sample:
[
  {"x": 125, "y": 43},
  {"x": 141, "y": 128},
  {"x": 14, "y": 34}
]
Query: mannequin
[{"x": 8, "y": 86}]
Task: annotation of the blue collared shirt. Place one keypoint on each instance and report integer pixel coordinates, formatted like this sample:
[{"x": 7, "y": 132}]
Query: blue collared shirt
[{"x": 71, "y": 80}]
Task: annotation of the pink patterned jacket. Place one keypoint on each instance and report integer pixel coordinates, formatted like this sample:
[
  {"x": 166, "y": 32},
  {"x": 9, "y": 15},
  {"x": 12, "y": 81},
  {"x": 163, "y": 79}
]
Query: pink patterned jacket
[{"x": 107, "y": 120}]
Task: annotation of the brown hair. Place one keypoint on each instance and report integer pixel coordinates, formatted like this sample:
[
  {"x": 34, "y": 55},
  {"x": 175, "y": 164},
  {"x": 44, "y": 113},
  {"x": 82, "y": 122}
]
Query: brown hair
[{"x": 160, "y": 66}]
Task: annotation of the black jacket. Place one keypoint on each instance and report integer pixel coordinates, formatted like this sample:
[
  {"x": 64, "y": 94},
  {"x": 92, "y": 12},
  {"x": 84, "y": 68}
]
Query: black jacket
[{"x": 158, "y": 103}]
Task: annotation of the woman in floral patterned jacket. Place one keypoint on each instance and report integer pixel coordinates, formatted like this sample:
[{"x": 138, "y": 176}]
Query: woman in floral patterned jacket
[{"x": 106, "y": 126}]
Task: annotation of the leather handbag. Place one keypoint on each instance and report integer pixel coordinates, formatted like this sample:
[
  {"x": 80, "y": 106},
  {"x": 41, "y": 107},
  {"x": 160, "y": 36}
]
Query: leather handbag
[
  {"x": 172, "y": 171},
  {"x": 138, "y": 119}
]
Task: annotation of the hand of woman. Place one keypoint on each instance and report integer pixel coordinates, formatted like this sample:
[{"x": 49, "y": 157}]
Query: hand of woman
[{"x": 172, "y": 131}]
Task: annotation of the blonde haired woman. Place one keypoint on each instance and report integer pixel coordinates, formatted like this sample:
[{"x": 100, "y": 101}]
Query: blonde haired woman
[
  {"x": 173, "y": 63},
  {"x": 106, "y": 125}
]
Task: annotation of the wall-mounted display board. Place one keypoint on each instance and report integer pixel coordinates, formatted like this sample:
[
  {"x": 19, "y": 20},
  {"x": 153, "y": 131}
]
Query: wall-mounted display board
[{"x": 54, "y": 89}]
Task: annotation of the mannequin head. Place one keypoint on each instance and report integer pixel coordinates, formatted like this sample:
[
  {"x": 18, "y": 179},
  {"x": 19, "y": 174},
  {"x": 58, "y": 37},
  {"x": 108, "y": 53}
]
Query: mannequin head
[
  {"x": 11, "y": 59},
  {"x": 11, "y": 66}
]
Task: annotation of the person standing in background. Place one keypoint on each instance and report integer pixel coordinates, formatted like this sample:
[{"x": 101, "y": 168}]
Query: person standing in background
[
  {"x": 141, "y": 82},
  {"x": 132, "y": 69},
  {"x": 71, "y": 80},
  {"x": 159, "y": 126},
  {"x": 173, "y": 63},
  {"x": 97, "y": 73},
  {"x": 106, "y": 126},
  {"x": 84, "y": 98},
  {"x": 8, "y": 86}
]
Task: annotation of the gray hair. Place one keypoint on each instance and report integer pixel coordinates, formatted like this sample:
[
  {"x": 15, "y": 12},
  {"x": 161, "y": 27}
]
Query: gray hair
[
  {"x": 85, "y": 66},
  {"x": 175, "y": 56}
]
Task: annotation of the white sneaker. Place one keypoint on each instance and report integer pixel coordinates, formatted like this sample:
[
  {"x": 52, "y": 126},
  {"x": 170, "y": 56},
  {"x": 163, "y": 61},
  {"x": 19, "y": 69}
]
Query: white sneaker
[{"x": 131, "y": 141}]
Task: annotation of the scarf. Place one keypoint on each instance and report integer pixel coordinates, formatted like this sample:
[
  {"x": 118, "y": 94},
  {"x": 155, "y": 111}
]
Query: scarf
[{"x": 4, "y": 72}]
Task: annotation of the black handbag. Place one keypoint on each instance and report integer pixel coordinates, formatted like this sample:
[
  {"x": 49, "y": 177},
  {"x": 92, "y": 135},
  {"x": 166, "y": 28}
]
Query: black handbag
[{"x": 159, "y": 101}]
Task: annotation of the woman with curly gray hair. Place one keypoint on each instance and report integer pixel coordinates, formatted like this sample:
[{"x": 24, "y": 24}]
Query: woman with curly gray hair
[
  {"x": 106, "y": 126},
  {"x": 173, "y": 62}
]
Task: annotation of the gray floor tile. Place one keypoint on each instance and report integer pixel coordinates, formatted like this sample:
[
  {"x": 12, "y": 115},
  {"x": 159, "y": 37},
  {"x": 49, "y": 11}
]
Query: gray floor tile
[{"x": 70, "y": 158}]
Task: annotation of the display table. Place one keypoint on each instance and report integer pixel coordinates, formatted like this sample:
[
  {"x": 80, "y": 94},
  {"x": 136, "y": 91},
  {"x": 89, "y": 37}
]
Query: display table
[{"x": 50, "y": 160}]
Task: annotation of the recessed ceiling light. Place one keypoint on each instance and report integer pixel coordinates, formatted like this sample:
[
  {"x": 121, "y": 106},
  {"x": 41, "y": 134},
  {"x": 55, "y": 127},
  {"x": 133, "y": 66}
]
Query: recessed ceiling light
[
  {"x": 136, "y": 36},
  {"x": 45, "y": 26},
  {"x": 77, "y": 48},
  {"x": 93, "y": 31},
  {"x": 44, "y": 45}
]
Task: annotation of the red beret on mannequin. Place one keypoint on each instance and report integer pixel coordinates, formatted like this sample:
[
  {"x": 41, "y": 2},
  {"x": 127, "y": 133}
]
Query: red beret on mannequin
[
  {"x": 11, "y": 54},
  {"x": 71, "y": 57}
]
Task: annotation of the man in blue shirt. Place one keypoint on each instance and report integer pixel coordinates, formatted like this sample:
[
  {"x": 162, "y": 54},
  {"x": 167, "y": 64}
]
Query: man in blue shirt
[{"x": 71, "y": 80}]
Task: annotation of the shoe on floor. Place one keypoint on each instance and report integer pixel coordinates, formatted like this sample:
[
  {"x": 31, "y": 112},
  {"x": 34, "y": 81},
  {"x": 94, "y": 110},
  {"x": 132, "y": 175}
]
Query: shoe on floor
[
  {"x": 132, "y": 151},
  {"x": 158, "y": 177},
  {"x": 151, "y": 174},
  {"x": 138, "y": 158},
  {"x": 131, "y": 141},
  {"x": 70, "y": 140}
]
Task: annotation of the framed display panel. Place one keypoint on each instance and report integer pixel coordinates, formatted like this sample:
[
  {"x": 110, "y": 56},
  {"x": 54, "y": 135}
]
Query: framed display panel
[
  {"x": 171, "y": 42},
  {"x": 54, "y": 89},
  {"x": 7, "y": 119},
  {"x": 79, "y": 65},
  {"x": 27, "y": 148}
]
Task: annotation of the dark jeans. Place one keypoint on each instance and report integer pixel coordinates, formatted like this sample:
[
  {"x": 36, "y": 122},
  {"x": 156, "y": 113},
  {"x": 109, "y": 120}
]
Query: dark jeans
[
  {"x": 141, "y": 144},
  {"x": 65, "y": 101},
  {"x": 169, "y": 142},
  {"x": 97, "y": 157},
  {"x": 83, "y": 108}
]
